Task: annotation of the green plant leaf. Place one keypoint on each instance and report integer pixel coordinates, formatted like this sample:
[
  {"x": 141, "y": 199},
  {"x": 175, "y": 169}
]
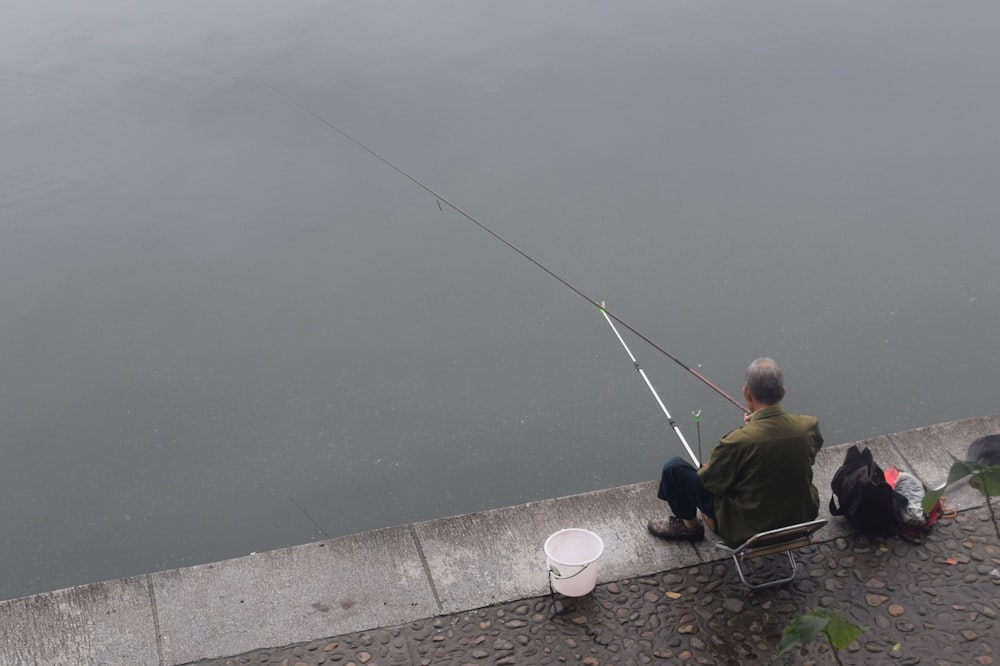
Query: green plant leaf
[
  {"x": 961, "y": 469},
  {"x": 841, "y": 633},
  {"x": 930, "y": 499},
  {"x": 804, "y": 628},
  {"x": 987, "y": 481},
  {"x": 958, "y": 471}
]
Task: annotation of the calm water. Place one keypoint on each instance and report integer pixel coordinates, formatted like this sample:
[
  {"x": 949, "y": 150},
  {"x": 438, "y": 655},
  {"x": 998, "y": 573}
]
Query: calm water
[{"x": 226, "y": 329}]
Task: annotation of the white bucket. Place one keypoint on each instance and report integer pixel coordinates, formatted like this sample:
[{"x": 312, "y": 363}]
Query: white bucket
[{"x": 572, "y": 555}]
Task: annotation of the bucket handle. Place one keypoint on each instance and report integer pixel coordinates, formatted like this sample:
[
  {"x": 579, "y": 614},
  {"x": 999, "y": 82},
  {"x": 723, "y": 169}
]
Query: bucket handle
[{"x": 554, "y": 572}]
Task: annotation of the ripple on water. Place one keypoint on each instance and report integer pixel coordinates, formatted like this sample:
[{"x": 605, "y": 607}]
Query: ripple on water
[
  {"x": 40, "y": 101},
  {"x": 24, "y": 192},
  {"x": 40, "y": 113}
]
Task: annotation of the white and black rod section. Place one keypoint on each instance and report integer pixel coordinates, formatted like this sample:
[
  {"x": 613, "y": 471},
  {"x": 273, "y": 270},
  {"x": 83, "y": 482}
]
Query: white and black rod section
[{"x": 642, "y": 373}]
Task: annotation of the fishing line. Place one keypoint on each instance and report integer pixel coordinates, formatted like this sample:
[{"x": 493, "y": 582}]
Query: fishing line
[
  {"x": 443, "y": 199},
  {"x": 311, "y": 519}
]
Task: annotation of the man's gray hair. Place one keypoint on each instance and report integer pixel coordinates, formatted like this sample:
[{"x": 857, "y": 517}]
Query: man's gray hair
[{"x": 765, "y": 381}]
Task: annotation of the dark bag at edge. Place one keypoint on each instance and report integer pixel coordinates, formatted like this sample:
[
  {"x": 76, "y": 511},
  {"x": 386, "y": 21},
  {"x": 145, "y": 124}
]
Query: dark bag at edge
[{"x": 866, "y": 500}]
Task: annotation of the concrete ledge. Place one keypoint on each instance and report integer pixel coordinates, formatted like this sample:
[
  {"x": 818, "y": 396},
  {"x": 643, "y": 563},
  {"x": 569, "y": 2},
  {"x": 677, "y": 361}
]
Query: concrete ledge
[
  {"x": 485, "y": 558},
  {"x": 395, "y": 575},
  {"x": 103, "y": 623},
  {"x": 929, "y": 452},
  {"x": 291, "y": 595}
]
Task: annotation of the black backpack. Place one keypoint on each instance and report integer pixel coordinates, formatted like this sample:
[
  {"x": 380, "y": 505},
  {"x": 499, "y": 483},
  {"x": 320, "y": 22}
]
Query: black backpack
[{"x": 866, "y": 500}]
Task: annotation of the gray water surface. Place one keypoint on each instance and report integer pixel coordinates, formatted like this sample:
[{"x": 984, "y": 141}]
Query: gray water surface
[{"x": 224, "y": 328}]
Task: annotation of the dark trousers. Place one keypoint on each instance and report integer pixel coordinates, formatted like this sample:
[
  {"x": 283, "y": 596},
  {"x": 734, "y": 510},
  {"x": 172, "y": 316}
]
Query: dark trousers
[{"x": 680, "y": 487}]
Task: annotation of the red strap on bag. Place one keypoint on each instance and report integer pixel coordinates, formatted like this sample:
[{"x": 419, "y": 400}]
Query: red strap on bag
[{"x": 891, "y": 475}]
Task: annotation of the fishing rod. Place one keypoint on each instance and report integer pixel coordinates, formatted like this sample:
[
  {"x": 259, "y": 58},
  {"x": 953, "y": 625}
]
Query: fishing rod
[
  {"x": 697, "y": 423},
  {"x": 442, "y": 199},
  {"x": 642, "y": 373}
]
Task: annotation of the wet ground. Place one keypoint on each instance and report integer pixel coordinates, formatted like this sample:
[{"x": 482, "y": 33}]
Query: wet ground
[{"x": 934, "y": 602}]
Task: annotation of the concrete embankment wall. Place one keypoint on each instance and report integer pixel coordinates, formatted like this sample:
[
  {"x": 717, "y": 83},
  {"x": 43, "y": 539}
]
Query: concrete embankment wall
[{"x": 394, "y": 575}]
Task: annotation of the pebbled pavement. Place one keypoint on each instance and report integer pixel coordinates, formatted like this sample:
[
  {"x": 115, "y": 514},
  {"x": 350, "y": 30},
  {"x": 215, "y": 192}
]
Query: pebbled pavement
[{"x": 933, "y": 603}]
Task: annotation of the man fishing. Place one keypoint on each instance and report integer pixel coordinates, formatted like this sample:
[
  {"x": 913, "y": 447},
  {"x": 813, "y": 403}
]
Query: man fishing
[
  {"x": 758, "y": 478},
  {"x": 759, "y": 475}
]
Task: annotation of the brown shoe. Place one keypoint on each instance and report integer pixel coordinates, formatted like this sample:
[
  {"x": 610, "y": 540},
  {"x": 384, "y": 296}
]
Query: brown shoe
[{"x": 673, "y": 529}]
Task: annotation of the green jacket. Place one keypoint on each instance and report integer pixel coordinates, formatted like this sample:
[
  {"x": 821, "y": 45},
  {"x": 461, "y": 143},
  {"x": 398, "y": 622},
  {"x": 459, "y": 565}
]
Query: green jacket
[{"x": 761, "y": 474}]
